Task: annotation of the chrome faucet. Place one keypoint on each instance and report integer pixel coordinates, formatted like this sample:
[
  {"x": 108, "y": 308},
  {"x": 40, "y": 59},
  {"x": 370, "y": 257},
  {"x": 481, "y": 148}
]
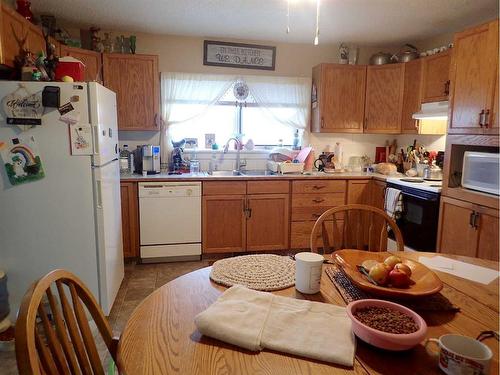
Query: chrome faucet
[{"x": 239, "y": 146}]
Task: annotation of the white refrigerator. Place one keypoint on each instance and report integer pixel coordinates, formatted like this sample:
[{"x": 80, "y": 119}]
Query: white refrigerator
[{"x": 70, "y": 217}]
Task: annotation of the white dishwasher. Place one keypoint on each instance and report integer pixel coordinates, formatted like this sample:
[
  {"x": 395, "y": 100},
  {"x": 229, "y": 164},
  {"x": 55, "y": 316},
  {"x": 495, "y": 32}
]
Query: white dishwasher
[{"x": 170, "y": 221}]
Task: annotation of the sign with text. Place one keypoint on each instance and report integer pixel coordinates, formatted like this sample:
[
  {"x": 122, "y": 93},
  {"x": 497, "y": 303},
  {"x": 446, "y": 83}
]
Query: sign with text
[{"x": 239, "y": 55}]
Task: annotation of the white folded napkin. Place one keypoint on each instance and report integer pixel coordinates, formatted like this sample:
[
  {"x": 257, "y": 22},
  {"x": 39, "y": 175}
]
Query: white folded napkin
[{"x": 255, "y": 320}]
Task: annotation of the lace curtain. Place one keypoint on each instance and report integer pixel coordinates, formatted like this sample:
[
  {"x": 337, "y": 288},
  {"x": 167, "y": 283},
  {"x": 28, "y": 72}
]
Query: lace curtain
[{"x": 205, "y": 90}]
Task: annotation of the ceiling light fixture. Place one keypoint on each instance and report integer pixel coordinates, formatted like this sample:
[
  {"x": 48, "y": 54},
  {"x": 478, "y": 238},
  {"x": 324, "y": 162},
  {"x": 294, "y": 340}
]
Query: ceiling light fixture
[
  {"x": 288, "y": 17},
  {"x": 316, "y": 37}
]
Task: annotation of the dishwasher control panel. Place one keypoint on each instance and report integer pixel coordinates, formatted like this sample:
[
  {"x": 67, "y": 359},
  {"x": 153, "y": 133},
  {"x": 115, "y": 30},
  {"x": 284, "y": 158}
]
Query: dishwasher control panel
[{"x": 169, "y": 189}]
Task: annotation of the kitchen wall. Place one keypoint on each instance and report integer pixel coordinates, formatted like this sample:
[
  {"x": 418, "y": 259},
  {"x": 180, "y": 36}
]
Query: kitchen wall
[{"x": 185, "y": 54}]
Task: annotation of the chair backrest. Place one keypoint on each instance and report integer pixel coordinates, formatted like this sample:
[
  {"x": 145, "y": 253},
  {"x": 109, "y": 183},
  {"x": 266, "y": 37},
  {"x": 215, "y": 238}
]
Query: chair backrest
[
  {"x": 354, "y": 226},
  {"x": 53, "y": 335}
]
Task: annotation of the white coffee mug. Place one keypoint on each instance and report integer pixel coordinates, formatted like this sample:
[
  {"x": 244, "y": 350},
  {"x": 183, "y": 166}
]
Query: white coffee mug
[
  {"x": 461, "y": 355},
  {"x": 308, "y": 272}
]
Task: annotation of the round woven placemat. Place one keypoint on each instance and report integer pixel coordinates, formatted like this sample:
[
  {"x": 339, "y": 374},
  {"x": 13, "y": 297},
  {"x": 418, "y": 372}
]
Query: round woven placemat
[{"x": 260, "y": 272}]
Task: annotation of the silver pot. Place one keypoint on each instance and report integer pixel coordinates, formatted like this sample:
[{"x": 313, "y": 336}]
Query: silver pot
[
  {"x": 407, "y": 53},
  {"x": 380, "y": 58},
  {"x": 433, "y": 173}
]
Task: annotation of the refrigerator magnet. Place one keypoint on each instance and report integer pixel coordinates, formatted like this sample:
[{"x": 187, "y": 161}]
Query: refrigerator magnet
[
  {"x": 22, "y": 160},
  {"x": 81, "y": 139},
  {"x": 70, "y": 118}
]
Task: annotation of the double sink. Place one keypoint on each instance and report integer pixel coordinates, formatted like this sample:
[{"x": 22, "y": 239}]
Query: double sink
[{"x": 241, "y": 173}]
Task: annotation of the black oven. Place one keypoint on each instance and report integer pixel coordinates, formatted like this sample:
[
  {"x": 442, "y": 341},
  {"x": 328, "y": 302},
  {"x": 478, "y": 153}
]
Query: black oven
[{"x": 419, "y": 220}]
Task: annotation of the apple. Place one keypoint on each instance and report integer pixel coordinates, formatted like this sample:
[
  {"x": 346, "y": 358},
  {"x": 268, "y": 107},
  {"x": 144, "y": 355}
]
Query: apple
[
  {"x": 392, "y": 260},
  {"x": 403, "y": 268},
  {"x": 399, "y": 279},
  {"x": 379, "y": 273}
]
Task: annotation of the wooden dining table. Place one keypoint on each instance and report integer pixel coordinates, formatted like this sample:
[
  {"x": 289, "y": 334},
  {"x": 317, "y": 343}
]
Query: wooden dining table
[{"x": 161, "y": 338}]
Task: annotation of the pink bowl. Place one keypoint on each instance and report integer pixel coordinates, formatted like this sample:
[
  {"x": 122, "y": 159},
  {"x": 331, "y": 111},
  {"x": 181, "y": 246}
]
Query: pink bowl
[{"x": 384, "y": 340}]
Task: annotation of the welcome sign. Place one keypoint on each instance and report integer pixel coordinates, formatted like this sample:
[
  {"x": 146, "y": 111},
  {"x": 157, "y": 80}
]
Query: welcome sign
[
  {"x": 23, "y": 108},
  {"x": 239, "y": 55}
]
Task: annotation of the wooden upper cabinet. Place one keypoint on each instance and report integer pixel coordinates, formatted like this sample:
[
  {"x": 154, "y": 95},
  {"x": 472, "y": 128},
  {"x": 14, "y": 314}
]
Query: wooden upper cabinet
[
  {"x": 36, "y": 40},
  {"x": 384, "y": 98},
  {"x": 435, "y": 78},
  {"x": 91, "y": 60},
  {"x": 341, "y": 98},
  {"x": 411, "y": 96},
  {"x": 13, "y": 28},
  {"x": 493, "y": 126},
  {"x": 135, "y": 80},
  {"x": 473, "y": 75},
  {"x": 267, "y": 222}
]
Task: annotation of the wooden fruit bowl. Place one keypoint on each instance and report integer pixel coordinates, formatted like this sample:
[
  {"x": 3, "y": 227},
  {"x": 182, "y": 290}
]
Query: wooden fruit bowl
[{"x": 425, "y": 282}]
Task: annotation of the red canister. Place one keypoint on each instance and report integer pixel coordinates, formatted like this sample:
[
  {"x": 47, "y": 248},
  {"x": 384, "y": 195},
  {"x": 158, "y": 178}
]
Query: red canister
[{"x": 69, "y": 66}]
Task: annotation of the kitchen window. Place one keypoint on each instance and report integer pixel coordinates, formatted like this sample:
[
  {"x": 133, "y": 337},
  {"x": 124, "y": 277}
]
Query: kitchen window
[{"x": 275, "y": 108}]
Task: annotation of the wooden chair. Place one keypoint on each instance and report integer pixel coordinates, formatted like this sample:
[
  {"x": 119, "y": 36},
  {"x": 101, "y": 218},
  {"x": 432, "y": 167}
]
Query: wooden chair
[
  {"x": 354, "y": 226},
  {"x": 54, "y": 341}
]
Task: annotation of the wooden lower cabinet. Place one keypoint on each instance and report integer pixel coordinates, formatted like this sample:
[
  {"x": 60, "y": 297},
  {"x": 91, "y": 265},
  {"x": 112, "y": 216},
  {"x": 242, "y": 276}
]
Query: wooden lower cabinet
[
  {"x": 468, "y": 229},
  {"x": 301, "y": 234},
  {"x": 359, "y": 192},
  {"x": 267, "y": 222},
  {"x": 245, "y": 216},
  {"x": 224, "y": 223},
  {"x": 130, "y": 219},
  {"x": 378, "y": 194}
]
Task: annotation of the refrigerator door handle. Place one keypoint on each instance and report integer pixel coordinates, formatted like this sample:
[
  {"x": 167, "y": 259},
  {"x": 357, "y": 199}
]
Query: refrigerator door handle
[
  {"x": 99, "y": 194},
  {"x": 95, "y": 131}
]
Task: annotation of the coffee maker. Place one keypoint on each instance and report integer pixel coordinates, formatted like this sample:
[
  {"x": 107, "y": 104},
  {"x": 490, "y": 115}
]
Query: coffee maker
[{"x": 147, "y": 158}]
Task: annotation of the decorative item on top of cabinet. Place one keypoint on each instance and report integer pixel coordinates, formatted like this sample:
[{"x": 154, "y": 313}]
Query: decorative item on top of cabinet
[
  {"x": 436, "y": 77},
  {"x": 91, "y": 60},
  {"x": 473, "y": 76},
  {"x": 130, "y": 219},
  {"x": 340, "y": 103},
  {"x": 384, "y": 98},
  {"x": 135, "y": 80},
  {"x": 411, "y": 96},
  {"x": 468, "y": 229}
]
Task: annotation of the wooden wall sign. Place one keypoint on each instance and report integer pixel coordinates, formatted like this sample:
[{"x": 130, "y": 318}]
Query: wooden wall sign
[{"x": 239, "y": 55}]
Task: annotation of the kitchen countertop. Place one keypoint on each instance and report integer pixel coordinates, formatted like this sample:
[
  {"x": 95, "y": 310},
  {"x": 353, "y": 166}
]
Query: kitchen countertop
[{"x": 204, "y": 176}]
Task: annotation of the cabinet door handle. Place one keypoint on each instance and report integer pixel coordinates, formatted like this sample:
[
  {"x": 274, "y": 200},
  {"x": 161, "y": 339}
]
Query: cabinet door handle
[
  {"x": 318, "y": 200},
  {"x": 475, "y": 222},
  {"x": 447, "y": 88},
  {"x": 315, "y": 215},
  {"x": 481, "y": 118},
  {"x": 322, "y": 123},
  {"x": 471, "y": 219},
  {"x": 318, "y": 187},
  {"x": 486, "y": 118}
]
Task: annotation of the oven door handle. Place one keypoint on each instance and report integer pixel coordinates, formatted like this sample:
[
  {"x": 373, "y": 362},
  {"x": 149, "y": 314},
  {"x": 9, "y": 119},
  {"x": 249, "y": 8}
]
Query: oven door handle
[{"x": 419, "y": 197}]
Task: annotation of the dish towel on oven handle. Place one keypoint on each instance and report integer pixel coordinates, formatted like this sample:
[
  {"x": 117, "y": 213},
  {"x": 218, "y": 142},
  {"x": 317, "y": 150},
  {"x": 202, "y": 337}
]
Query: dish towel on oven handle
[
  {"x": 256, "y": 320},
  {"x": 393, "y": 203}
]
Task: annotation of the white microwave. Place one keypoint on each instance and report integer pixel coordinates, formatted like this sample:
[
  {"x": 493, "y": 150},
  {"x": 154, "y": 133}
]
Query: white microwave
[{"x": 480, "y": 172}]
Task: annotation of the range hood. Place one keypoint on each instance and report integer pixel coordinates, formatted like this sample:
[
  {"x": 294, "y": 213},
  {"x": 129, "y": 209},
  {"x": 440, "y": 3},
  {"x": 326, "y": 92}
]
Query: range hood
[{"x": 432, "y": 111}]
